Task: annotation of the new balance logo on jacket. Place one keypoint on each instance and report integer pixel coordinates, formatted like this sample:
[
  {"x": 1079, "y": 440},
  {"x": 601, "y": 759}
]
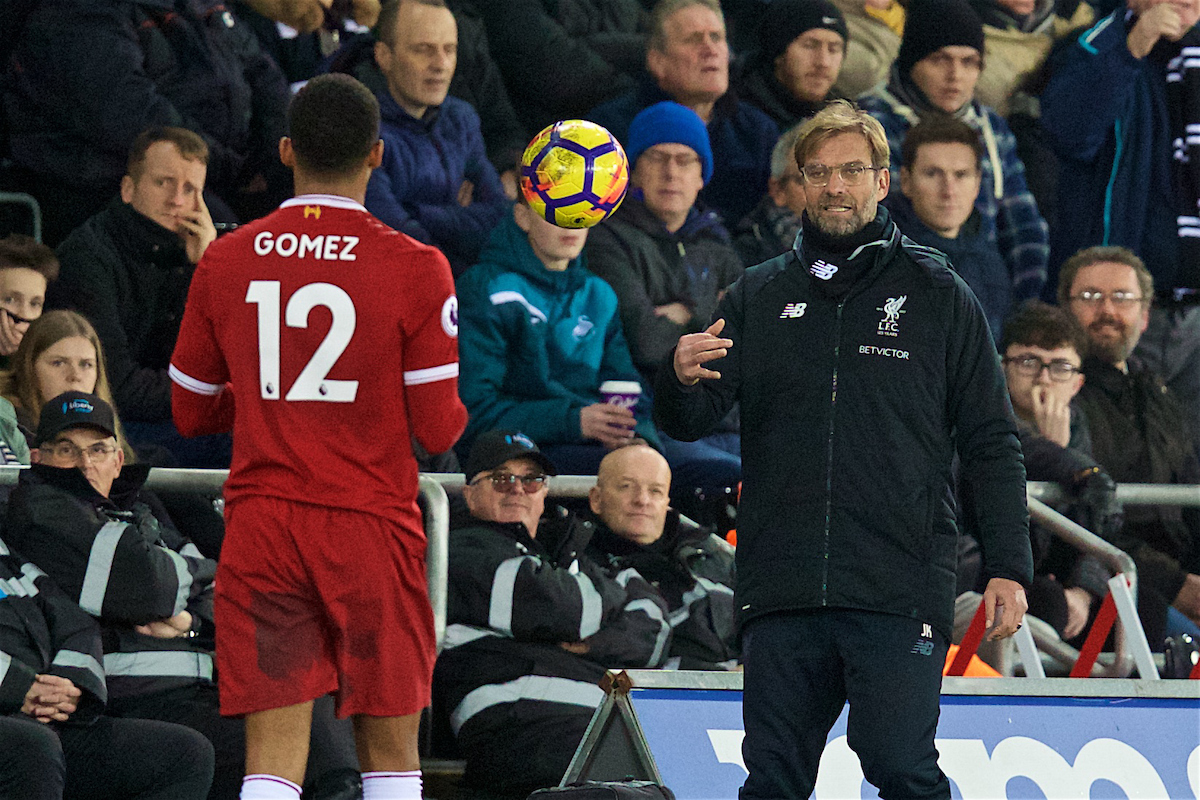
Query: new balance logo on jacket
[
  {"x": 823, "y": 269},
  {"x": 793, "y": 310}
]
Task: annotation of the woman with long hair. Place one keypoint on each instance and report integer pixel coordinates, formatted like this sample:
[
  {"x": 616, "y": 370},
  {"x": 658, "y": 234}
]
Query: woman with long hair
[
  {"x": 59, "y": 353},
  {"x": 62, "y": 353}
]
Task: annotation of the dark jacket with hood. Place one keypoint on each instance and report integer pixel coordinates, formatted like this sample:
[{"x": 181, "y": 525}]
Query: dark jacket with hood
[
  {"x": 856, "y": 390},
  {"x": 649, "y": 266},
  {"x": 124, "y": 567}
]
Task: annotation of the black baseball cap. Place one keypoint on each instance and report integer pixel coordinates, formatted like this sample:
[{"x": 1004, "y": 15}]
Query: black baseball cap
[
  {"x": 74, "y": 410},
  {"x": 495, "y": 447}
]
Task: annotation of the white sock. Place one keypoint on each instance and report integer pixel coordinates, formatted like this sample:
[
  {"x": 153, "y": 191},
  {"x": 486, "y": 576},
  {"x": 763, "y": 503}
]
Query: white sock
[
  {"x": 392, "y": 785},
  {"x": 268, "y": 787}
]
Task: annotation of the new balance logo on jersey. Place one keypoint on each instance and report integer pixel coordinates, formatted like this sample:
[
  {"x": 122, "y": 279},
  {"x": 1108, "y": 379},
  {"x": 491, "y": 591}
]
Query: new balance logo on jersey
[
  {"x": 327, "y": 247},
  {"x": 582, "y": 327},
  {"x": 793, "y": 310},
  {"x": 823, "y": 269}
]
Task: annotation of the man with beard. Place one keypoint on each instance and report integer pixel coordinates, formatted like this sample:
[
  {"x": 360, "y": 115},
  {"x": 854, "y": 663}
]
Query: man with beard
[
  {"x": 862, "y": 363},
  {"x": 1139, "y": 432},
  {"x": 1121, "y": 109}
]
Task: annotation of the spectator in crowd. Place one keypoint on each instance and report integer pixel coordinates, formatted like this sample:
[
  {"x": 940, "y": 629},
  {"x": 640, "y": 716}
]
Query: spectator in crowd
[
  {"x": 538, "y": 335},
  {"x": 561, "y": 59},
  {"x": 1139, "y": 432},
  {"x": 26, "y": 269},
  {"x": 670, "y": 263},
  {"x": 436, "y": 183},
  {"x": 770, "y": 229},
  {"x": 875, "y": 28},
  {"x": 55, "y": 738},
  {"x": 527, "y": 612},
  {"x": 1017, "y": 36},
  {"x": 77, "y": 508},
  {"x": 62, "y": 353},
  {"x": 307, "y": 16},
  {"x": 1118, "y": 107},
  {"x": 1042, "y": 350},
  {"x": 691, "y": 567},
  {"x": 127, "y": 269},
  {"x": 935, "y": 74},
  {"x": 791, "y": 73},
  {"x": 87, "y": 77},
  {"x": 939, "y": 181},
  {"x": 687, "y": 58},
  {"x": 476, "y": 79}
]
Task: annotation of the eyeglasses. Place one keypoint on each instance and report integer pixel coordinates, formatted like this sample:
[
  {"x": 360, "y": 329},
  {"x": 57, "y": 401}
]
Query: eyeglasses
[
  {"x": 852, "y": 174},
  {"x": 659, "y": 159},
  {"x": 66, "y": 450},
  {"x": 1093, "y": 297},
  {"x": 1032, "y": 366},
  {"x": 506, "y": 482}
]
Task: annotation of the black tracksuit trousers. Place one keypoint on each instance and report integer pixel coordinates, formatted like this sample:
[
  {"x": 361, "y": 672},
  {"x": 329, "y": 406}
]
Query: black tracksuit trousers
[{"x": 802, "y": 667}]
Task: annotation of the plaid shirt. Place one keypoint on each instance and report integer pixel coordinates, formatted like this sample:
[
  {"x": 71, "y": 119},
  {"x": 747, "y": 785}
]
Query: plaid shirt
[{"x": 1012, "y": 219}]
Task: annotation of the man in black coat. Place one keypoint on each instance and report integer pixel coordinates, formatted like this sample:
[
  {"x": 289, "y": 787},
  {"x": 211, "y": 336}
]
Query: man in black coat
[
  {"x": 862, "y": 364},
  {"x": 128, "y": 268},
  {"x": 1140, "y": 432}
]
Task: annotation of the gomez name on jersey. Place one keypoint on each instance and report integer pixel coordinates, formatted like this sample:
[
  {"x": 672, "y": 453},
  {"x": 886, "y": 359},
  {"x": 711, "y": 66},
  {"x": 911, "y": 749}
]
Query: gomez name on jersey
[{"x": 327, "y": 247}]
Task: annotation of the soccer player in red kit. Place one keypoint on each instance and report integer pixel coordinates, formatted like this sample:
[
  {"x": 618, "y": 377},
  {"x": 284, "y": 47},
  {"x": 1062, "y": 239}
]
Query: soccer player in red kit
[{"x": 326, "y": 339}]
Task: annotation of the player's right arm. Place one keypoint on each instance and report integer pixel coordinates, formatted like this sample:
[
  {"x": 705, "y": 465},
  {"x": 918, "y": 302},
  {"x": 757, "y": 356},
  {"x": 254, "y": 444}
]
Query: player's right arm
[
  {"x": 200, "y": 400},
  {"x": 436, "y": 415}
]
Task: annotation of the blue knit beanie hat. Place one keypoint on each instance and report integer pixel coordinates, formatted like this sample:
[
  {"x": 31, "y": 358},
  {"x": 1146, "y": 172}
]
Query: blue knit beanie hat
[{"x": 670, "y": 123}]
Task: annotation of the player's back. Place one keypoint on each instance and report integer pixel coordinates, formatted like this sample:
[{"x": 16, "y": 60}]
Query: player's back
[{"x": 322, "y": 316}]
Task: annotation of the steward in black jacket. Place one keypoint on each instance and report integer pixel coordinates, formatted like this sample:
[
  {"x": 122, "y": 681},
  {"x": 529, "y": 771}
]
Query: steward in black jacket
[
  {"x": 44, "y": 638},
  {"x": 856, "y": 391},
  {"x": 692, "y": 569},
  {"x": 532, "y": 628},
  {"x": 127, "y": 569}
]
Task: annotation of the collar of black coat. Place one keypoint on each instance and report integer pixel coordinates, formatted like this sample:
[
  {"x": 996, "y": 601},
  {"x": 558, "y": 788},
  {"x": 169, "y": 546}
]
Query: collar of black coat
[
  {"x": 1106, "y": 376},
  {"x": 837, "y": 263},
  {"x": 649, "y": 93},
  {"x": 69, "y": 479},
  {"x": 141, "y": 238}
]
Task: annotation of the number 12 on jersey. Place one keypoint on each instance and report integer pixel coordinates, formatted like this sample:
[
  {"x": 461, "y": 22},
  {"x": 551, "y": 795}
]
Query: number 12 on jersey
[{"x": 311, "y": 383}]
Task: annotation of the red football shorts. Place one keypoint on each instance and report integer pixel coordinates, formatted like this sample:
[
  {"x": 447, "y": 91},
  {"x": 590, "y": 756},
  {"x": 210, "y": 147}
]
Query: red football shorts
[{"x": 312, "y": 600}]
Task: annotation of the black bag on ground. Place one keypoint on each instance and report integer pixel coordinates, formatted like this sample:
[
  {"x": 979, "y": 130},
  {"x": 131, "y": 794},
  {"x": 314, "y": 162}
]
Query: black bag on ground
[{"x": 605, "y": 790}]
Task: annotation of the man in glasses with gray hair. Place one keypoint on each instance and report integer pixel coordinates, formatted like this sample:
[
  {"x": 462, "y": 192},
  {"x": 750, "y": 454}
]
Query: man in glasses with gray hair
[
  {"x": 1140, "y": 432},
  {"x": 532, "y": 624}
]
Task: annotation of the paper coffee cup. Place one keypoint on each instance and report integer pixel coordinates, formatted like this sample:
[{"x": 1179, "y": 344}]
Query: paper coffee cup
[{"x": 621, "y": 393}]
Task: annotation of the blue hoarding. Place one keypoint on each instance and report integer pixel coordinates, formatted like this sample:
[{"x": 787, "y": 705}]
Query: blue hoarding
[{"x": 991, "y": 747}]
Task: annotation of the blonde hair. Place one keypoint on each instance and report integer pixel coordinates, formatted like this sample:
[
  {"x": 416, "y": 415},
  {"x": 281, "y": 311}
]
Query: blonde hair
[
  {"x": 838, "y": 117},
  {"x": 19, "y": 384}
]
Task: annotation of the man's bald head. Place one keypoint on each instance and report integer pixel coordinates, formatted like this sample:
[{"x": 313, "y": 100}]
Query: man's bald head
[{"x": 632, "y": 493}]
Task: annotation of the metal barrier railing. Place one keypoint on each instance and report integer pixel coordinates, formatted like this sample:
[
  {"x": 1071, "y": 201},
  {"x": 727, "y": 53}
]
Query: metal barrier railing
[{"x": 435, "y": 489}]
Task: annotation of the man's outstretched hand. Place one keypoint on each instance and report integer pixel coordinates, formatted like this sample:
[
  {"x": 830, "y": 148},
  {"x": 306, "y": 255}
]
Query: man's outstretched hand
[
  {"x": 696, "y": 349},
  {"x": 1004, "y": 606}
]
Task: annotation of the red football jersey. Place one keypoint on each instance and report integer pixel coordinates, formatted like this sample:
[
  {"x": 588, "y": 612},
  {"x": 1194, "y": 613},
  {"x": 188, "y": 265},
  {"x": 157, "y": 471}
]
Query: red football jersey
[{"x": 339, "y": 338}]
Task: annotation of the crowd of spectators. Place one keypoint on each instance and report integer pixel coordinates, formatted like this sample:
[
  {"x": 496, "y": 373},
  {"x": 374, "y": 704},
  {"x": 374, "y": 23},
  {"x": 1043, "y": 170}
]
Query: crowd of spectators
[{"x": 1047, "y": 147}]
